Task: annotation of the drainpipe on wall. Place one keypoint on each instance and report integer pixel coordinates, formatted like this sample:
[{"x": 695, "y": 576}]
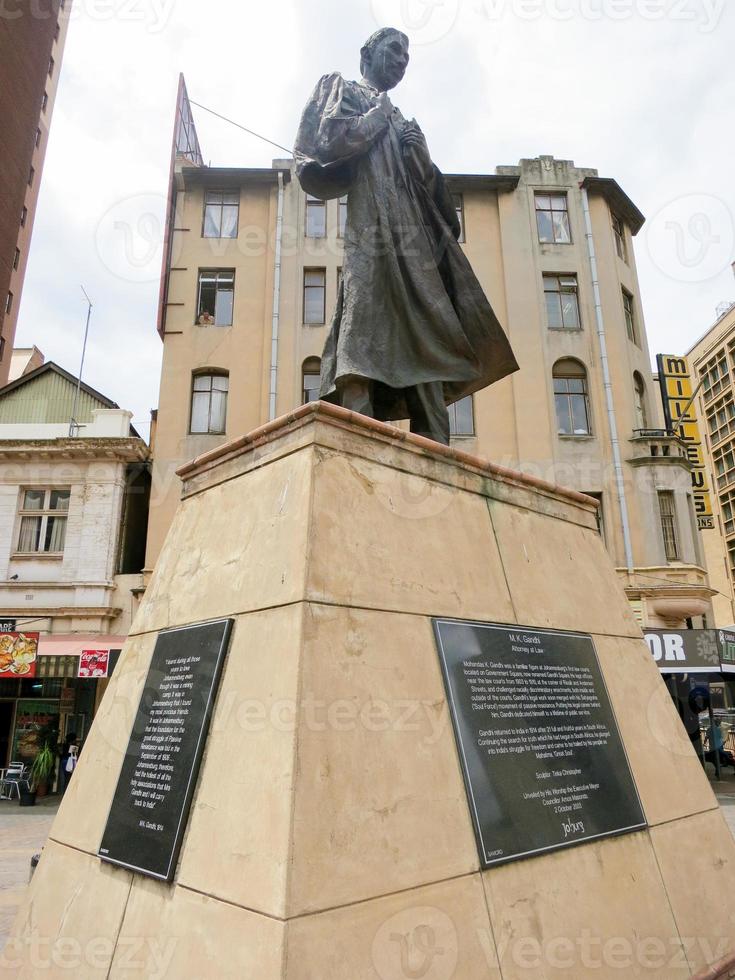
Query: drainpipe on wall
[
  {"x": 612, "y": 425},
  {"x": 276, "y": 304}
]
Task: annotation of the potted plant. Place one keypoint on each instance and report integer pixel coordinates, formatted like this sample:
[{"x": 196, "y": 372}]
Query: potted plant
[
  {"x": 42, "y": 769},
  {"x": 27, "y": 795}
]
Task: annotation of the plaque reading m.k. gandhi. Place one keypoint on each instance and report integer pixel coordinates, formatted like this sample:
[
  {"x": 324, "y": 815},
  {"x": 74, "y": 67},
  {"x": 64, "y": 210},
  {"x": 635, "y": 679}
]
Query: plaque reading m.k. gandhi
[
  {"x": 150, "y": 808},
  {"x": 542, "y": 758}
]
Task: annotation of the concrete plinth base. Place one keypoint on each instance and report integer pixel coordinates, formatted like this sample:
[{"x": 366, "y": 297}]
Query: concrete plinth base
[{"x": 330, "y": 835}]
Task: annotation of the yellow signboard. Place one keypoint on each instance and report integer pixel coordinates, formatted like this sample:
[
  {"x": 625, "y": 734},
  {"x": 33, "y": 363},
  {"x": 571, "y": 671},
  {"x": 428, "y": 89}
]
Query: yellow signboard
[{"x": 677, "y": 389}]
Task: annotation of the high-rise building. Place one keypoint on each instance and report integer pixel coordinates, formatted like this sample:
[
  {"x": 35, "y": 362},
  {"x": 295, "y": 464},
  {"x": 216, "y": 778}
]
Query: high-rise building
[
  {"x": 32, "y": 36},
  {"x": 708, "y": 377},
  {"x": 250, "y": 281}
]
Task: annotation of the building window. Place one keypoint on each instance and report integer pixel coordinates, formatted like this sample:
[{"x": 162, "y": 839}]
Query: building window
[
  {"x": 619, "y": 232},
  {"x": 31, "y": 176},
  {"x": 459, "y": 208},
  {"x": 43, "y": 516},
  {"x": 731, "y": 555},
  {"x": 715, "y": 375},
  {"x": 216, "y": 297},
  {"x": 57, "y": 31},
  {"x": 339, "y": 279},
  {"x": 209, "y": 403},
  {"x": 342, "y": 216},
  {"x": 552, "y": 219},
  {"x": 562, "y": 303},
  {"x": 462, "y": 417},
  {"x": 16, "y": 258},
  {"x": 315, "y": 295},
  {"x": 23, "y": 216},
  {"x": 221, "y": 212},
  {"x": 316, "y": 217},
  {"x": 571, "y": 398},
  {"x": 721, "y": 419},
  {"x": 38, "y": 136},
  {"x": 727, "y": 503},
  {"x": 724, "y": 458},
  {"x": 629, "y": 311},
  {"x": 9, "y": 302},
  {"x": 51, "y": 64},
  {"x": 310, "y": 373},
  {"x": 639, "y": 395},
  {"x": 44, "y": 102},
  {"x": 599, "y": 517},
  {"x": 668, "y": 524}
]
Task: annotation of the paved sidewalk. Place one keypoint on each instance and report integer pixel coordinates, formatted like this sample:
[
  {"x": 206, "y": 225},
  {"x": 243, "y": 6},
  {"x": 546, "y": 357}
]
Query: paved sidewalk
[
  {"x": 23, "y": 832},
  {"x": 725, "y": 793}
]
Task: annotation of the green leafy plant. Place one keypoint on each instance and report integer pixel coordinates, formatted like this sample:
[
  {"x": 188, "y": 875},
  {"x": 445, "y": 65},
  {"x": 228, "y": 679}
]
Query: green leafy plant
[{"x": 43, "y": 766}]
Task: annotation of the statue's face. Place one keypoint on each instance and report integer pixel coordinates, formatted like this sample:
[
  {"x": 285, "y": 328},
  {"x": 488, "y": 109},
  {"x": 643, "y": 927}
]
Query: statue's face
[{"x": 388, "y": 62}]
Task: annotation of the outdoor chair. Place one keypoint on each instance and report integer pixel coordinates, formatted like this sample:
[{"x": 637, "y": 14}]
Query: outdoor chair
[{"x": 11, "y": 780}]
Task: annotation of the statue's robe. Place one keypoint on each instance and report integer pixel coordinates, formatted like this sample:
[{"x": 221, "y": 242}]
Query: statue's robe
[{"x": 410, "y": 309}]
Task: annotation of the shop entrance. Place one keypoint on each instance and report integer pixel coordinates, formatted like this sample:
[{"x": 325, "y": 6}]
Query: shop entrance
[{"x": 7, "y": 709}]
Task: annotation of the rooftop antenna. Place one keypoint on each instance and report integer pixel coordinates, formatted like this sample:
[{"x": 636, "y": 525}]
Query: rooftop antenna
[{"x": 73, "y": 424}]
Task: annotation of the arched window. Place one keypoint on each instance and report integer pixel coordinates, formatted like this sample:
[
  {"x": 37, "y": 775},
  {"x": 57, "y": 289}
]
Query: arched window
[
  {"x": 209, "y": 401},
  {"x": 310, "y": 372},
  {"x": 639, "y": 390},
  {"x": 571, "y": 398}
]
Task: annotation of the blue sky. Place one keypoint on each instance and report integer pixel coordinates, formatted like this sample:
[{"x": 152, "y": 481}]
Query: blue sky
[{"x": 640, "y": 89}]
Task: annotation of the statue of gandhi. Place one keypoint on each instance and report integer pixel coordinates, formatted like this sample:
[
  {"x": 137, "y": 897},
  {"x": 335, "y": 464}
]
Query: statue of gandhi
[{"x": 413, "y": 331}]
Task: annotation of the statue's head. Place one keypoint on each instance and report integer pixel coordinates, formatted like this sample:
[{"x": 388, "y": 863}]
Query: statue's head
[{"x": 384, "y": 58}]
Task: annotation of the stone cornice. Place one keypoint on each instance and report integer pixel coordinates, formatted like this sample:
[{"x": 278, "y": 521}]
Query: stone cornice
[
  {"x": 341, "y": 418},
  {"x": 50, "y": 584},
  {"x": 669, "y": 591},
  {"x": 681, "y": 461},
  {"x": 63, "y": 612},
  {"x": 666, "y": 581},
  {"x": 120, "y": 450}
]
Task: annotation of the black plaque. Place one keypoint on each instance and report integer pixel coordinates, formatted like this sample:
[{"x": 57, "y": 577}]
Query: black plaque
[
  {"x": 151, "y": 804},
  {"x": 8, "y": 625},
  {"x": 543, "y": 762}
]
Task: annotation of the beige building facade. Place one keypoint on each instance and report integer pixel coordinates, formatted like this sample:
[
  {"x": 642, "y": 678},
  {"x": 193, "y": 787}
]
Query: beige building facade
[
  {"x": 248, "y": 290},
  {"x": 711, "y": 365},
  {"x": 73, "y": 509}
]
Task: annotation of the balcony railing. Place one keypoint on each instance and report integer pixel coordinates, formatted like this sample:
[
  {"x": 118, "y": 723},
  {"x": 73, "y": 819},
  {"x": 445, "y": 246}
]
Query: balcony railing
[
  {"x": 654, "y": 434},
  {"x": 658, "y": 444}
]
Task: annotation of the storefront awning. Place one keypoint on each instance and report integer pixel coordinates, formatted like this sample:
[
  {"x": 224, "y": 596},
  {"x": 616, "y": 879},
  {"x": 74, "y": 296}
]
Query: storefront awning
[{"x": 72, "y": 644}]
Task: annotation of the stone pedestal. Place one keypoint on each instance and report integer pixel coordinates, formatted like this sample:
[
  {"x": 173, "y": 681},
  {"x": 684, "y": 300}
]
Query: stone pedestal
[{"x": 330, "y": 835}]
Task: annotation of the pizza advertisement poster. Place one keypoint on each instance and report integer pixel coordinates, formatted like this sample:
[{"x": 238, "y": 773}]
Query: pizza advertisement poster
[
  {"x": 18, "y": 654},
  {"x": 94, "y": 663},
  {"x": 32, "y": 720}
]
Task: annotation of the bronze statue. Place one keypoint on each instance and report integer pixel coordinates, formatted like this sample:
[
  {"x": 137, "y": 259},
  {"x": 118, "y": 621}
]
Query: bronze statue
[{"x": 412, "y": 331}]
